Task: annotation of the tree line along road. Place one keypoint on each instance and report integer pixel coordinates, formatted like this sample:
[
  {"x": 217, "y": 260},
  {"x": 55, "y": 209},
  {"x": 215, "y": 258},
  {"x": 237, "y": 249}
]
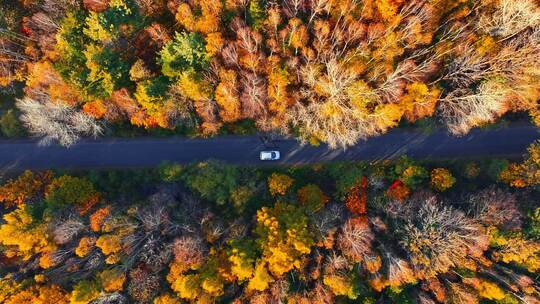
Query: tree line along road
[{"x": 509, "y": 141}]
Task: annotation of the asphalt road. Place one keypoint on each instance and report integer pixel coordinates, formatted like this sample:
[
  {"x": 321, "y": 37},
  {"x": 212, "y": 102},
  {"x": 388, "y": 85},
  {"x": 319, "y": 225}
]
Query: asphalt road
[{"x": 144, "y": 152}]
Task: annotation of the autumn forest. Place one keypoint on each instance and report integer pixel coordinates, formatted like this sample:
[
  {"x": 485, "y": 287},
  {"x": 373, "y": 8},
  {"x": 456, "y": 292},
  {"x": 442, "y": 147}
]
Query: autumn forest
[
  {"x": 326, "y": 72},
  {"x": 332, "y": 71},
  {"x": 393, "y": 232}
]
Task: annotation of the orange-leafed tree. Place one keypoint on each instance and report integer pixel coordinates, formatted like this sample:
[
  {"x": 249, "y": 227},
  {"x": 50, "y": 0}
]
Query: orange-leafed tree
[
  {"x": 112, "y": 280},
  {"x": 201, "y": 16},
  {"x": 227, "y": 96},
  {"x": 109, "y": 243},
  {"x": 214, "y": 43},
  {"x": 526, "y": 173},
  {"x": 44, "y": 294},
  {"x": 98, "y": 218},
  {"x": 513, "y": 176},
  {"x": 26, "y": 186},
  {"x": 419, "y": 101},
  {"x": 279, "y": 184},
  {"x": 166, "y": 299},
  {"x": 279, "y": 80},
  {"x": 387, "y": 116},
  {"x": 95, "y": 108},
  {"x": 398, "y": 190},
  {"x": 355, "y": 240},
  {"x": 44, "y": 79},
  {"x": 297, "y": 33},
  {"x": 86, "y": 245},
  {"x": 356, "y": 200}
]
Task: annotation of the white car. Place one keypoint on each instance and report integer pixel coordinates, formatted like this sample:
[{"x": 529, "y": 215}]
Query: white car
[{"x": 269, "y": 155}]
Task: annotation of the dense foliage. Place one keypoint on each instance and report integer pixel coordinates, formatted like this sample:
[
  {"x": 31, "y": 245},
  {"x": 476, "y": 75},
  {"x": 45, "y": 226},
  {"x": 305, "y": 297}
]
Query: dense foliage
[
  {"x": 395, "y": 232},
  {"x": 324, "y": 70}
]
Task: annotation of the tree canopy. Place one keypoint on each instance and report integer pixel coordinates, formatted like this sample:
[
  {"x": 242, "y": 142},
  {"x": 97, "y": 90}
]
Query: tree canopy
[
  {"x": 211, "y": 232},
  {"x": 324, "y": 71}
]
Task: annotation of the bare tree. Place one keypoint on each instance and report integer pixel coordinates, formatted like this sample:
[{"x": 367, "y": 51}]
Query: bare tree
[
  {"x": 424, "y": 298},
  {"x": 42, "y": 23},
  {"x": 495, "y": 207},
  {"x": 155, "y": 252},
  {"x": 230, "y": 55},
  {"x": 111, "y": 298},
  {"x": 321, "y": 294},
  {"x": 253, "y": 97},
  {"x": 462, "y": 110},
  {"x": 517, "y": 58},
  {"x": 328, "y": 219},
  {"x": 397, "y": 270},
  {"x": 438, "y": 237},
  {"x": 328, "y": 112},
  {"x": 151, "y": 7},
  {"x": 154, "y": 218},
  {"x": 55, "y": 121},
  {"x": 340, "y": 103},
  {"x": 57, "y": 9},
  {"x": 143, "y": 284},
  {"x": 146, "y": 243},
  {"x": 510, "y": 281},
  {"x": 64, "y": 231},
  {"x": 246, "y": 39},
  {"x": 485, "y": 86},
  {"x": 510, "y": 17},
  {"x": 355, "y": 241},
  {"x": 335, "y": 263},
  {"x": 96, "y": 5},
  {"x": 208, "y": 110},
  {"x": 12, "y": 56},
  {"x": 467, "y": 68},
  {"x": 190, "y": 250},
  {"x": 279, "y": 291},
  {"x": 318, "y": 7}
]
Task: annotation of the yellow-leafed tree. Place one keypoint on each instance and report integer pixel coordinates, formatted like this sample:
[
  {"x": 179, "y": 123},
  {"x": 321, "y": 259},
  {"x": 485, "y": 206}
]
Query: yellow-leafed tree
[
  {"x": 261, "y": 279},
  {"x": 22, "y": 235},
  {"x": 278, "y": 184},
  {"x": 283, "y": 236}
]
